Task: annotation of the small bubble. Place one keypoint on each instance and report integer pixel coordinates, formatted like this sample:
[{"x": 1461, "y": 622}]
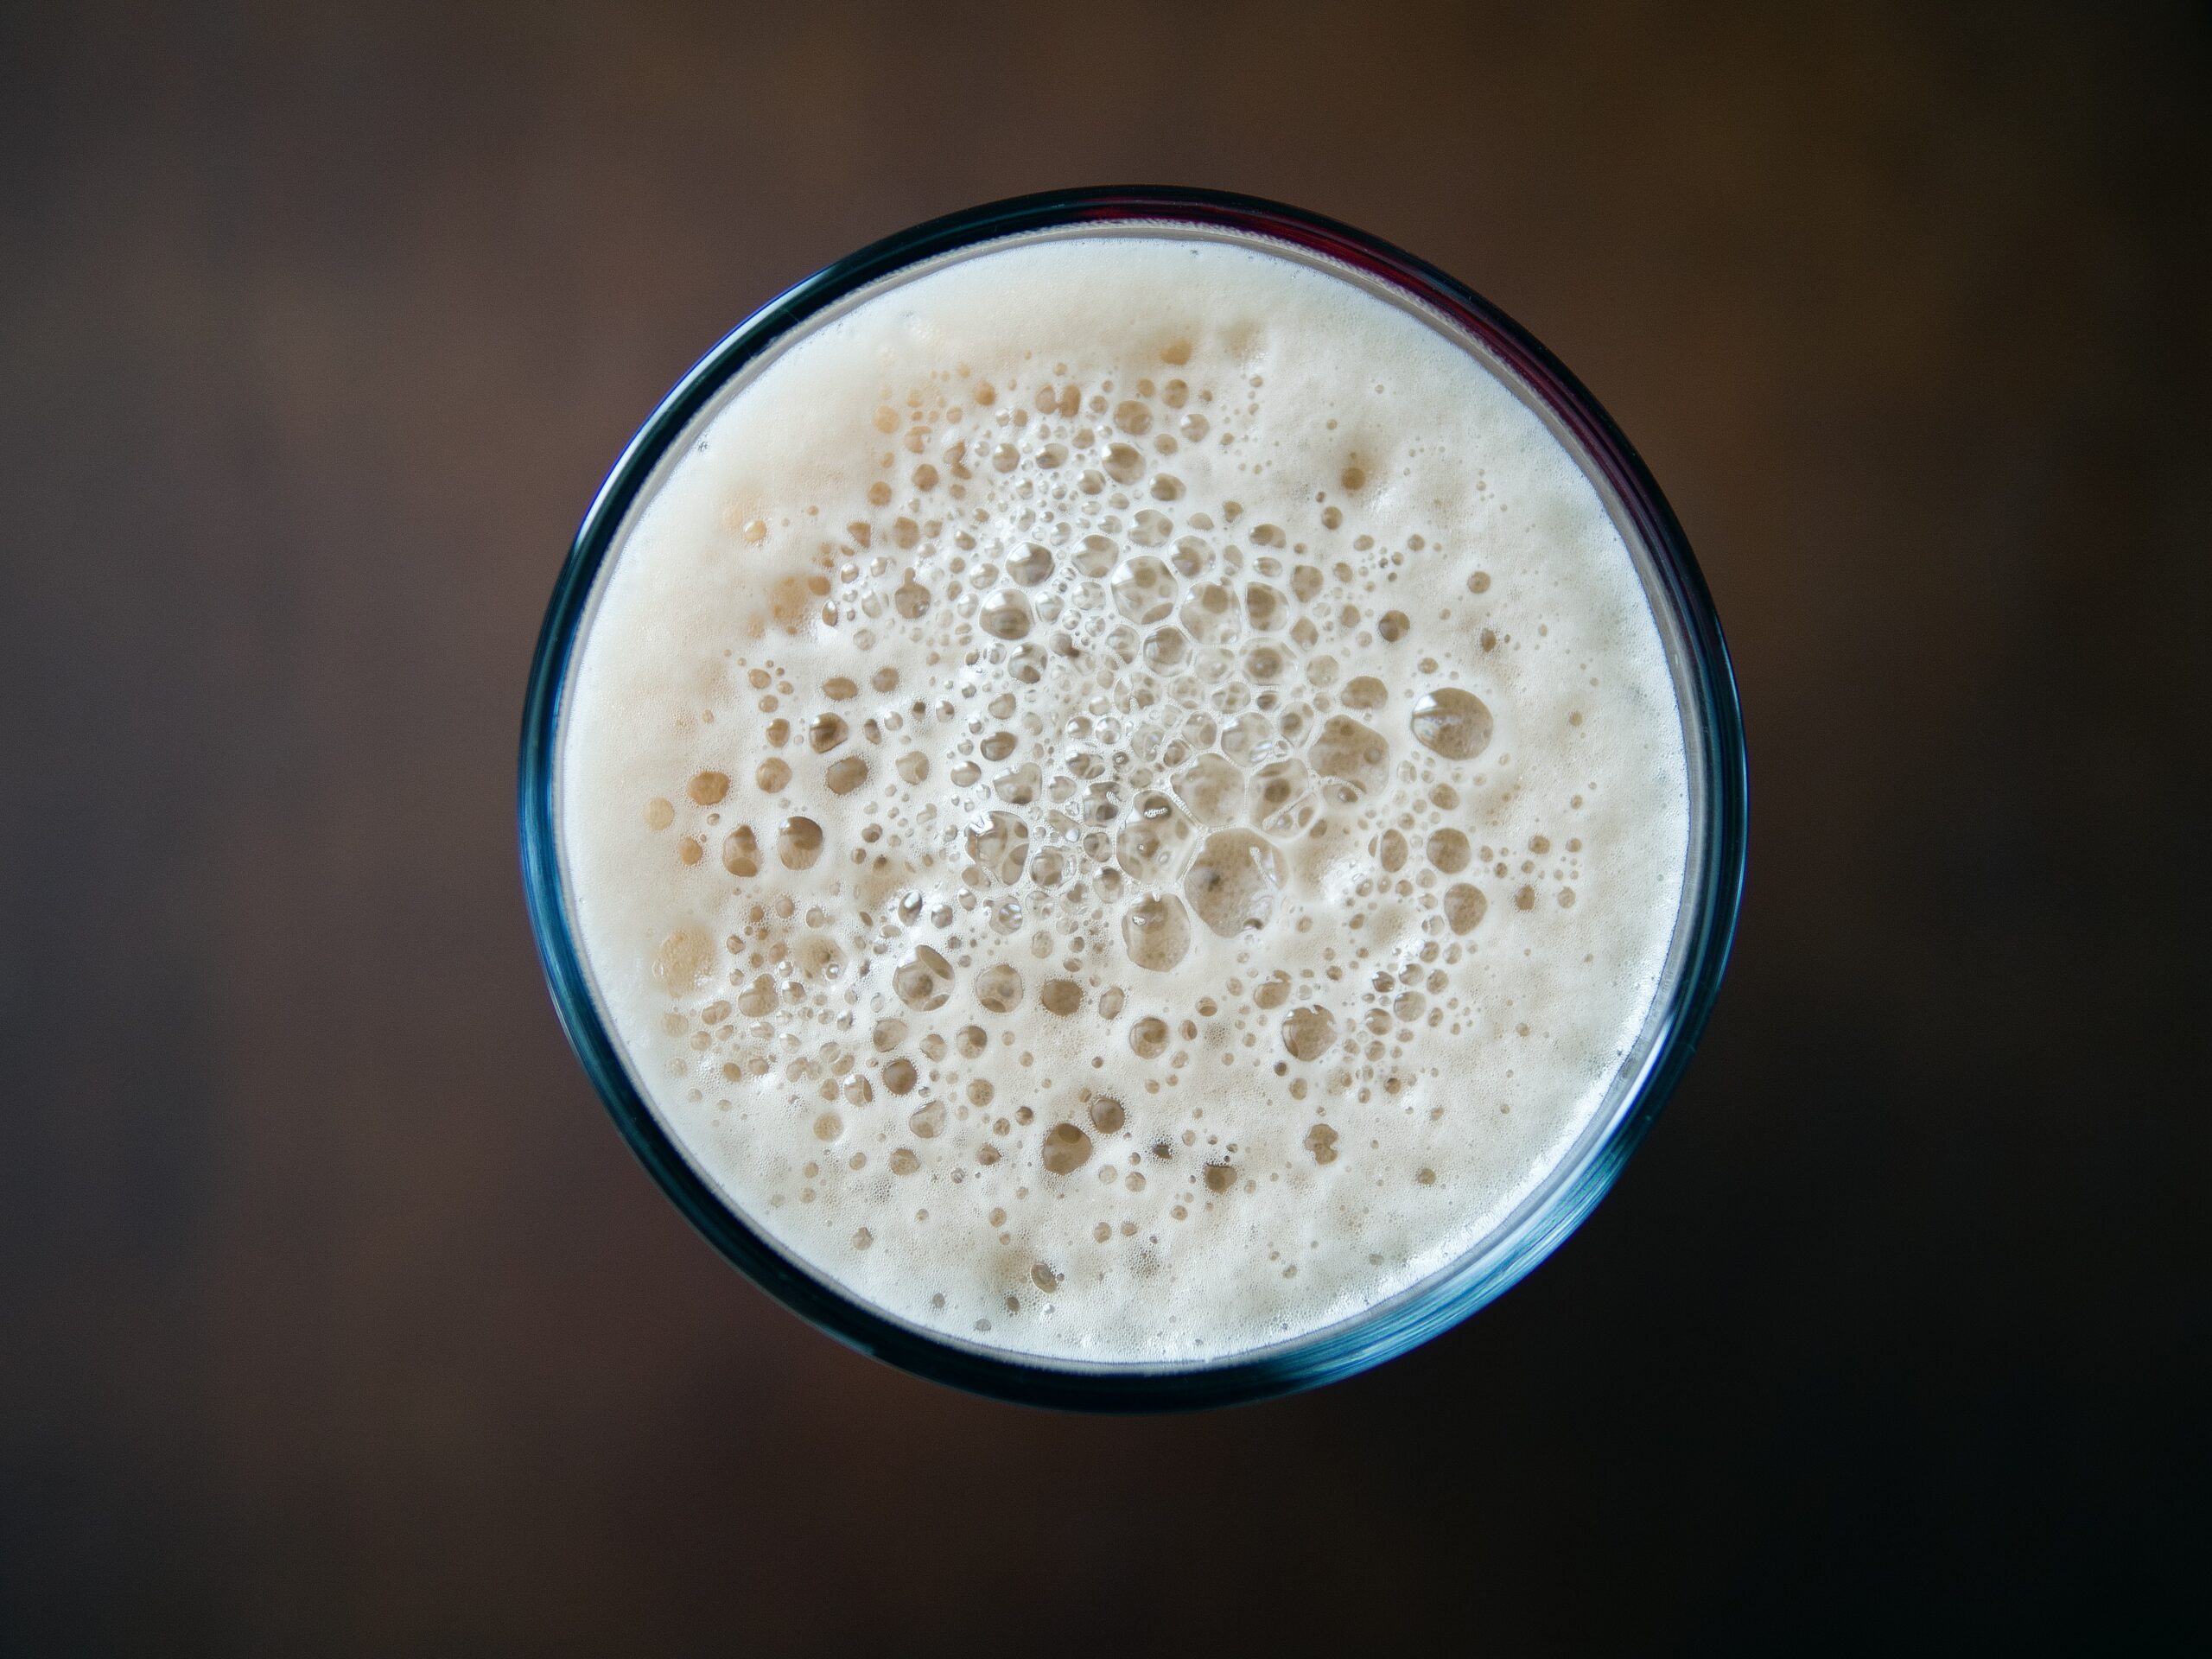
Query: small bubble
[
  {"x": 1464, "y": 907},
  {"x": 924, "y": 981},
  {"x": 1065, "y": 1149},
  {"x": 1454, "y": 723},
  {"x": 999, "y": 988},
  {"x": 798, "y": 844},
  {"x": 1448, "y": 851},
  {"x": 1156, "y": 932},
  {"x": 1309, "y": 1031}
]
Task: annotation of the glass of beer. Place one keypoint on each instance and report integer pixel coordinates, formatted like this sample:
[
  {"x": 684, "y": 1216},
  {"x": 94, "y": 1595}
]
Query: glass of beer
[{"x": 1132, "y": 798}]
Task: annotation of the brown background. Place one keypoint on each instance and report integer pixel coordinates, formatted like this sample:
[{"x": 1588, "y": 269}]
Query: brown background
[{"x": 333, "y": 1316}]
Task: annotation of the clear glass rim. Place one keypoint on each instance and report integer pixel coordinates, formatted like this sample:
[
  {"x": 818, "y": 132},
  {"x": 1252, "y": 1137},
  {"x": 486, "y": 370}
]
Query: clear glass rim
[{"x": 1712, "y": 880}]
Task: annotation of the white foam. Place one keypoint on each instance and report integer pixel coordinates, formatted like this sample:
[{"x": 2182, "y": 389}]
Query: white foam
[{"x": 1240, "y": 1194}]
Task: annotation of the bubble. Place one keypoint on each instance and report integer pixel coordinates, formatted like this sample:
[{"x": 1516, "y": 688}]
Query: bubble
[
  {"x": 1164, "y": 648},
  {"x": 798, "y": 844},
  {"x": 1032, "y": 567},
  {"x": 1006, "y": 615},
  {"x": 1144, "y": 589},
  {"x": 838, "y": 689},
  {"x": 708, "y": 787},
  {"x": 1364, "y": 692},
  {"x": 826, "y": 731},
  {"x": 846, "y": 775},
  {"x": 924, "y": 981},
  {"x": 773, "y": 775},
  {"x": 1265, "y": 607},
  {"x": 1273, "y": 991},
  {"x": 1210, "y": 615},
  {"x": 1247, "y": 736},
  {"x": 682, "y": 960},
  {"x": 1065, "y": 1149},
  {"x": 1061, "y": 996},
  {"x": 741, "y": 852},
  {"x": 1464, "y": 907},
  {"x": 1151, "y": 527},
  {"x": 1448, "y": 851},
  {"x": 1133, "y": 417},
  {"x": 1392, "y": 626},
  {"x": 1279, "y": 797},
  {"x": 1149, "y": 845},
  {"x": 1234, "y": 884},
  {"x": 910, "y": 600},
  {"x": 1356, "y": 755},
  {"x": 926, "y": 1122},
  {"x": 1321, "y": 1141},
  {"x": 1212, "y": 790},
  {"x": 1106, "y": 1114},
  {"x": 1220, "y": 1178},
  {"x": 999, "y": 842},
  {"x": 999, "y": 988},
  {"x": 1148, "y": 1037},
  {"x": 1454, "y": 723},
  {"x": 1124, "y": 463},
  {"x": 1525, "y": 899},
  {"x": 829, "y": 1127},
  {"x": 1044, "y": 1278},
  {"x": 904, "y": 1162},
  {"x": 1390, "y": 850},
  {"x": 1308, "y": 1030},
  {"x": 1264, "y": 665},
  {"x": 899, "y": 1075},
  {"x": 659, "y": 813},
  {"x": 1097, "y": 556},
  {"x": 1156, "y": 932},
  {"x": 913, "y": 767}
]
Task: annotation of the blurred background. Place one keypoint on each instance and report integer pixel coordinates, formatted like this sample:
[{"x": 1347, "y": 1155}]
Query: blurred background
[{"x": 335, "y": 1317}]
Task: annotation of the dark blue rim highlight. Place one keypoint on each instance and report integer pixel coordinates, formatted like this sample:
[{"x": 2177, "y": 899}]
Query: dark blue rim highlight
[{"x": 1716, "y": 875}]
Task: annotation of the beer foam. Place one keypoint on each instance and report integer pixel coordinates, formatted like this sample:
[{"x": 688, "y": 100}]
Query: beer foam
[{"x": 1123, "y": 798}]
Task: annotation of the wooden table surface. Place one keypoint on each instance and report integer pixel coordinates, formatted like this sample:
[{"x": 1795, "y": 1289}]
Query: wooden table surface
[{"x": 333, "y": 1315}]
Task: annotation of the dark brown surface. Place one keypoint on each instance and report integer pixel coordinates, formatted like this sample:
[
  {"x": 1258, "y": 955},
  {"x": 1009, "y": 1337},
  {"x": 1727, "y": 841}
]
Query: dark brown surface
[{"x": 333, "y": 1316}]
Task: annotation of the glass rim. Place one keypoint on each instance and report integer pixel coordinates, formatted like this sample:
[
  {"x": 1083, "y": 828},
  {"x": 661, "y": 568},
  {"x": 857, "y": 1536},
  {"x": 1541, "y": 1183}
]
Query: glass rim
[{"x": 1712, "y": 876}]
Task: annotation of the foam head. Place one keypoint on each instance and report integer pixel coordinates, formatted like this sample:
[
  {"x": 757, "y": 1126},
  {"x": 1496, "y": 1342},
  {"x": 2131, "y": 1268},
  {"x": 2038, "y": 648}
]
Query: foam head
[{"x": 1123, "y": 797}]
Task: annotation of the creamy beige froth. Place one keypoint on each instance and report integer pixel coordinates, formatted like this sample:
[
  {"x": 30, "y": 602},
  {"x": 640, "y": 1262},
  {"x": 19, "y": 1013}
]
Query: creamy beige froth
[{"x": 1124, "y": 799}]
